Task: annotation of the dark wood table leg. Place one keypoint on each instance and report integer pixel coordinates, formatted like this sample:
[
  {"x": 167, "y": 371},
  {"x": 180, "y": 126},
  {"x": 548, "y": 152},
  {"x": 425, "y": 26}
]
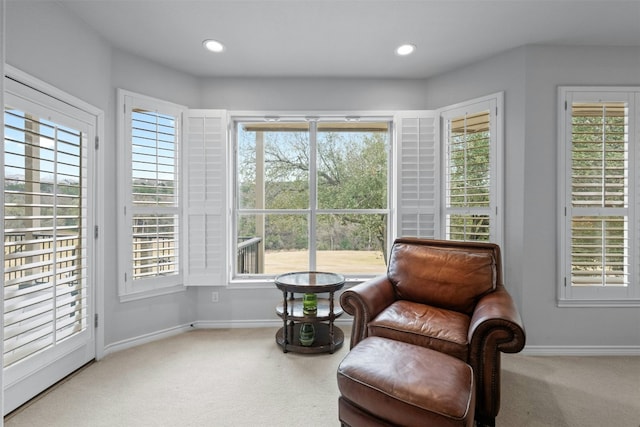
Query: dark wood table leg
[
  {"x": 332, "y": 341},
  {"x": 285, "y": 333}
]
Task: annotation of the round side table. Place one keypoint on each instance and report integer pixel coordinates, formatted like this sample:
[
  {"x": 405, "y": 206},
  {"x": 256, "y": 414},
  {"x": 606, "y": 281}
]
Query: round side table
[{"x": 328, "y": 337}]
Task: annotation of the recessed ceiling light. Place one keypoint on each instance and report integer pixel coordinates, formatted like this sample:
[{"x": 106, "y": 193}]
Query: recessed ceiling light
[
  {"x": 213, "y": 45},
  {"x": 405, "y": 49}
]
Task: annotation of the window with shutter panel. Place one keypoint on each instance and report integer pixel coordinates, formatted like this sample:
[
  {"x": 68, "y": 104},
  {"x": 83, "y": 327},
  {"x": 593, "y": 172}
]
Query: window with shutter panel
[
  {"x": 150, "y": 182},
  {"x": 599, "y": 234},
  {"x": 472, "y": 187}
]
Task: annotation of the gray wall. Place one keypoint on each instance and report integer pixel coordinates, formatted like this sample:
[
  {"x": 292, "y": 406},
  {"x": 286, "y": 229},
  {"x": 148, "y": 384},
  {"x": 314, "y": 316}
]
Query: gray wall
[
  {"x": 547, "y": 68},
  {"x": 71, "y": 57},
  {"x": 149, "y": 315},
  {"x": 44, "y": 41},
  {"x": 315, "y": 94},
  {"x": 530, "y": 77}
]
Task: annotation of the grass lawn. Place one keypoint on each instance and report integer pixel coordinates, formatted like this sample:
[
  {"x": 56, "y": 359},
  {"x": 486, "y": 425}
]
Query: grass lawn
[{"x": 345, "y": 262}]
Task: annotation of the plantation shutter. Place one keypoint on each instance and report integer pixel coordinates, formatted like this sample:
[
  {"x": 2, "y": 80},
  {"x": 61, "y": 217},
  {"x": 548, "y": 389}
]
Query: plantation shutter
[
  {"x": 417, "y": 185},
  {"x": 598, "y": 188},
  {"x": 46, "y": 247},
  {"x": 468, "y": 176},
  {"x": 155, "y": 183},
  {"x": 206, "y": 177}
]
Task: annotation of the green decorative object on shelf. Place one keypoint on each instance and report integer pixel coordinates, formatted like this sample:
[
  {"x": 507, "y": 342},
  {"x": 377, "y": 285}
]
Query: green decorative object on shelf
[
  {"x": 310, "y": 303},
  {"x": 307, "y": 334}
]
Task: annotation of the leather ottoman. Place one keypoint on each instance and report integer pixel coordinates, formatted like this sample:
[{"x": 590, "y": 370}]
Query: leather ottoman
[{"x": 391, "y": 383}]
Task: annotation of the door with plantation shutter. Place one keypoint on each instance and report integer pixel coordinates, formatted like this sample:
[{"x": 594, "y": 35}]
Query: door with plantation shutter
[{"x": 48, "y": 239}]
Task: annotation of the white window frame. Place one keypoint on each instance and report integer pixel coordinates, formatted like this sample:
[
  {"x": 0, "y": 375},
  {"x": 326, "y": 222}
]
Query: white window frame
[
  {"x": 601, "y": 296},
  {"x": 129, "y": 289},
  {"x": 313, "y": 116},
  {"x": 494, "y": 104}
]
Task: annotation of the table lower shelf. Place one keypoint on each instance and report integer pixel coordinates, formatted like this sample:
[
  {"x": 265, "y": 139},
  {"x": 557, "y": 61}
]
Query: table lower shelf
[{"x": 321, "y": 343}]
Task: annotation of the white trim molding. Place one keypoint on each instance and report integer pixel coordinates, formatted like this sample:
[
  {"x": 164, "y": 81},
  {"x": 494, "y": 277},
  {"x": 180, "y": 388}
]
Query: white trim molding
[
  {"x": 581, "y": 350},
  {"x": 146, "y": 338},
  {"x": 200, "y": 324}
]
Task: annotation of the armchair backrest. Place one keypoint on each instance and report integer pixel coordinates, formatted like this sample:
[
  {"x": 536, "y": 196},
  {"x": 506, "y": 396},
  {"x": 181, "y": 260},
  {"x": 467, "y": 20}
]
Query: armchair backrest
[{"x": 447, "y": 274}]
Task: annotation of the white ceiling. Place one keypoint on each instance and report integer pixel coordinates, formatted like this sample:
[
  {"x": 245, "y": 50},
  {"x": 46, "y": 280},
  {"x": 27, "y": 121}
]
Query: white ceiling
[{"x": 344, "y": 38}]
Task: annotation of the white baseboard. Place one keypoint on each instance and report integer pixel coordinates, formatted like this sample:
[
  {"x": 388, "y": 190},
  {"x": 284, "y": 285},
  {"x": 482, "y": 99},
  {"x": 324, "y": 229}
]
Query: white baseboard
[
  {"x": 268, "y": 323},
  {"x": 552, "y": 350},
  {"x": 235, "y": 324},
  {"x": 529, "y": 350},
  {"x": 199, "y": 324},
  {"x": 146, "y": 338}
]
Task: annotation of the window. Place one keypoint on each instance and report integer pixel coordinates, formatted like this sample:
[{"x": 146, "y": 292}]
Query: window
[
  {"x": 150, "y": 142},
  {"x": 599, "y": 221},
  {"x": 311, "y": 194},
  {"x": 472, "y": 147}
]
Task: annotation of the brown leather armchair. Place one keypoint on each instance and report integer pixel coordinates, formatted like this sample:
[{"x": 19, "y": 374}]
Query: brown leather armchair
[{"x": 448, "y": 296}]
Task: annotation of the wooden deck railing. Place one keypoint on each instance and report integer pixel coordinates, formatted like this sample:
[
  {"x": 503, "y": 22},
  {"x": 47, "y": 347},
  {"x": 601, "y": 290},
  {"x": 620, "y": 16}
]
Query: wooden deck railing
[
  {"x": 249, "y": 255},
  {"x": 248, "y": 252}
]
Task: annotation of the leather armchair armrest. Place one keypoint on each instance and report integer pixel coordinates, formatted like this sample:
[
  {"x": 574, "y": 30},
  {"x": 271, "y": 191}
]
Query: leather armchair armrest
[
  {"x": 497, "y": 310},
  {"x": 364, "y": 302},
  {"x": 495, "y": 327}
]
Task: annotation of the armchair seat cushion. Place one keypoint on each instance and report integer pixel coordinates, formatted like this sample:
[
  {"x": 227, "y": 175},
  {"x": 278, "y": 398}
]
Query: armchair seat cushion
[{"x": 424, "y": 325}]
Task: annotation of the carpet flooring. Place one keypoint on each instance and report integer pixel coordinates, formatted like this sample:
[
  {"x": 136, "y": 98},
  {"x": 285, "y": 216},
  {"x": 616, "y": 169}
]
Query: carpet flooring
[{"x": 240, "y": 377}]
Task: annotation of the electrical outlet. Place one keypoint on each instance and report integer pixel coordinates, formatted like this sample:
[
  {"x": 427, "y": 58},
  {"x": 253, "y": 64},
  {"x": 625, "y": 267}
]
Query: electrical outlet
[{"x": 214, "y": 297}]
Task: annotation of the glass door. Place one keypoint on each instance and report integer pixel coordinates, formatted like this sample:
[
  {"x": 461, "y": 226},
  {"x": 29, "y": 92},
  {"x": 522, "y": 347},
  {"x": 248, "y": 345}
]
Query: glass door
[{"x": 48, "y": 287}]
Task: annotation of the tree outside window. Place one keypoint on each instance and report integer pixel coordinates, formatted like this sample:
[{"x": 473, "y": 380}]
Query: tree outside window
[{"x": 315, "y": 194}]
